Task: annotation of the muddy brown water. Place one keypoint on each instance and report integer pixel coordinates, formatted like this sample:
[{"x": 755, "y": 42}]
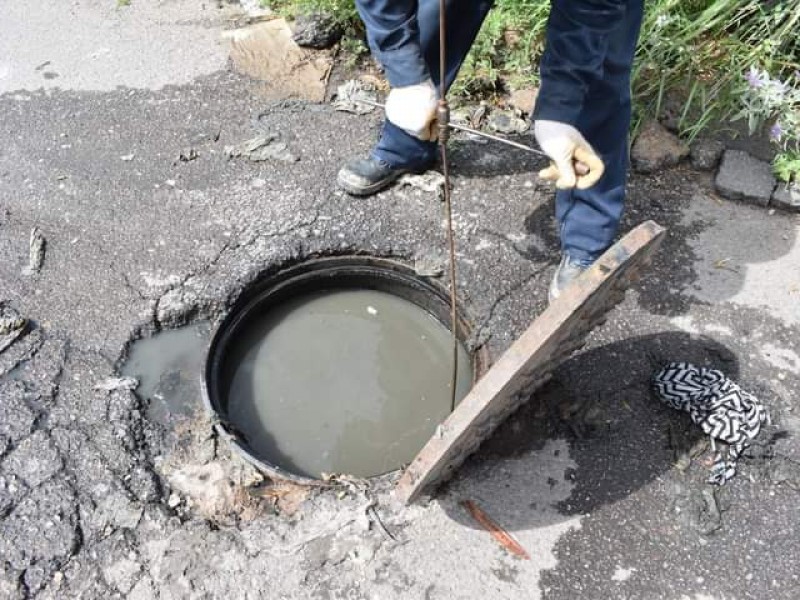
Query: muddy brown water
[{"x": 345, "y": 381}]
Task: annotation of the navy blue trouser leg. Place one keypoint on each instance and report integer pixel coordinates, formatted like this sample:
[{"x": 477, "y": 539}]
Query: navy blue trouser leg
[
  {"x": 464, "y": 19},
  {"x": 589, "y": 219}
]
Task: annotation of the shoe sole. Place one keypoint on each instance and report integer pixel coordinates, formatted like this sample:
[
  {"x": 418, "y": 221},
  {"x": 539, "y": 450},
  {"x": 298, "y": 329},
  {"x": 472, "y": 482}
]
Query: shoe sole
[{"x": 355, "y": 188}]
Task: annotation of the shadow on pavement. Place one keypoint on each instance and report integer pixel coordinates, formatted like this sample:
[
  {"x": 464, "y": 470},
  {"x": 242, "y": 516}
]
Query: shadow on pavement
[{"x": 620, "y": 438}]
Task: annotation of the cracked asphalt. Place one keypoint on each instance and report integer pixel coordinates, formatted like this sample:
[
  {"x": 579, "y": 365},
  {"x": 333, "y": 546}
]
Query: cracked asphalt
[{"x": 593, "y": 476}]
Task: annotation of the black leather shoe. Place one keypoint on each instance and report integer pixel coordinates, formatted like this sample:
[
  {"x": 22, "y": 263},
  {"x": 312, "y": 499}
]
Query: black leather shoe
[{"x": 367, "y": 176}]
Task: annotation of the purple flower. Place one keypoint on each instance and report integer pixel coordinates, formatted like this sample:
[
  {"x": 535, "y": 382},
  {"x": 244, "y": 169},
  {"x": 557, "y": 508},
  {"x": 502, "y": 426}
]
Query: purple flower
[
  {"x": 776, "y": 132},
  {"x": 755, "y": 78}
]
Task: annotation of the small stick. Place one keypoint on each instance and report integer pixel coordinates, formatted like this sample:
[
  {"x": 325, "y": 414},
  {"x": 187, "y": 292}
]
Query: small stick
[{"x": 498, "y": 533}]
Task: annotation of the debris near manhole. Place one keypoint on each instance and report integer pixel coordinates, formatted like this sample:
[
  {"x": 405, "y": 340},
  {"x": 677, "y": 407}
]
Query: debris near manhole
[
  {"x": 698, "y": 509},
  {"x": 207, "y": 479},
  {"x": 36, "y": 249},
  {"x": 117, "y": 383},
  {"x": 210, "y": 491},
  {"x": 316, "y": 30},
  {"x": 188, "y": 155},
  {"x": 470, "y": 116},
  {"x": 262, "y": 147},
  {"x": 507, "y": 122},
  {"x": 348, "y": 94},
  {"x": 266, "y": 51},
  {"x": 498, "y": 533},
  {"x": 12, "y": 325},
  {"x": 722, "y": 409},
  {"x": 429, "y": 265},
  {"x": 430, "y": 181},
  {"x": 285, "y": 497}
]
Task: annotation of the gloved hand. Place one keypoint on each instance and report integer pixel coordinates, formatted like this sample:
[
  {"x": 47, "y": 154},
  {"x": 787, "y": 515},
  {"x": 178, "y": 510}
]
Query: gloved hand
[
  {"x": 413, "y": 109},
  {"x": 565, "y": 146}
]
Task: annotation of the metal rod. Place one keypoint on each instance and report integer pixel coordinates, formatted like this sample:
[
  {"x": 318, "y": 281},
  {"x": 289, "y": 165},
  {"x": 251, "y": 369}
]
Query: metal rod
[
  {"x": 443, "y": 123},
  {"x": 580, "y": 168},
  {"x": 477, "y": 132}
]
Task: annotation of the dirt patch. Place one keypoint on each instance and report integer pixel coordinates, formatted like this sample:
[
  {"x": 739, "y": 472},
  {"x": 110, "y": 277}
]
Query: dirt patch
[{"x": 266, "y": 51}]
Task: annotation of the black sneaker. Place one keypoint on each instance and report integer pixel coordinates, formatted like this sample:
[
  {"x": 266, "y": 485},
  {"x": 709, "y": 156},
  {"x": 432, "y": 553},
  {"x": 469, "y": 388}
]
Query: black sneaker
[
  {"x": 568, "y": 271},
  {"x": 367, "y": 176}
]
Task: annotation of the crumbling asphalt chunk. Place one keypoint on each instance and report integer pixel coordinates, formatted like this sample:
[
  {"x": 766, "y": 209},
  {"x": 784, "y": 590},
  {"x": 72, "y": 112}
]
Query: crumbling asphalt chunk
[
  {"x": 117, "y": 383},
  {"x": 12, "y": 490},
  {"x": 34, "y": 460},
  {"x": 12, "y": 325},
  {"x": 10, "y": 584},
  {"x": 36, "y": 248},
  {"x": 42, "y": 529},
  {"x": 16, "y": 419},
  {"x": 119, "y": 561},
  {"x": 21, "y": 351},
  {"x": 42, "y": 373},
  {"x": 266, "y": 146},
  {"x": 350, "y": 92}
]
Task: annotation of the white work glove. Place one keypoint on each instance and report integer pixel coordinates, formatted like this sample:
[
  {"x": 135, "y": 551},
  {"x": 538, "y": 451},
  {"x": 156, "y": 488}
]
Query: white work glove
[
  {"x": 413, "y": 109},
  {"x": 566, "y": 146}
]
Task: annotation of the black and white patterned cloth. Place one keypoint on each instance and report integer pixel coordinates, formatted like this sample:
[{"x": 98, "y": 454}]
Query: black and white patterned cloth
[{"x": 719, "y": 406}]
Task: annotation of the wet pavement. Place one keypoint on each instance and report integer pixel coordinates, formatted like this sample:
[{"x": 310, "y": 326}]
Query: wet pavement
[{"x": 149, "y": 224}]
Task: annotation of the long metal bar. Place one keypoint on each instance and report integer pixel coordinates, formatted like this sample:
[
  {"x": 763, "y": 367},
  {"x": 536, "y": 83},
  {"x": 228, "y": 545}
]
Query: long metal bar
[
  {"x": 443, "y": 124},
  {"x": 478, "y": 132},
  {"x": 580, "y": 168}
]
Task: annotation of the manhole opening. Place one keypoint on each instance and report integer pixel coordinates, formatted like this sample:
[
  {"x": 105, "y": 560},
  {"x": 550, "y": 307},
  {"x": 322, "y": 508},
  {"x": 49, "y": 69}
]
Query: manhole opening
[{"x": 337, "y": 365}]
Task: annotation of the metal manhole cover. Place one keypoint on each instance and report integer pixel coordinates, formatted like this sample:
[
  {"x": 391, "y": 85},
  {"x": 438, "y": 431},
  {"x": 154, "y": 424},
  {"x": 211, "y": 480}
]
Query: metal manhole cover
[{"x": 550, "y": 339}]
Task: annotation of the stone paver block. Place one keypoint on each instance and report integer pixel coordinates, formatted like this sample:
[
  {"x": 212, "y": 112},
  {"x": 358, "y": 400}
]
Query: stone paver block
[
  {"x": 743, "y": 177},
  {"x": 550, "y": 339},
  {"x": 787, "y": 197}
]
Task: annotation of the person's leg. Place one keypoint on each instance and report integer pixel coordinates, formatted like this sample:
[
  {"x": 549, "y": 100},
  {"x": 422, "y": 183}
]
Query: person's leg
[
  {"x": 464, "y": 18},
  {"x": 589, "y": 219},
  {"x": 397, "y": 151}
]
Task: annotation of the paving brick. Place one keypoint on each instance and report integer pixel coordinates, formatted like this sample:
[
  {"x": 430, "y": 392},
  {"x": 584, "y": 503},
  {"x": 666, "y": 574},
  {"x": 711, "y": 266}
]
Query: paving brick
[{"x": 742, "y": 177}]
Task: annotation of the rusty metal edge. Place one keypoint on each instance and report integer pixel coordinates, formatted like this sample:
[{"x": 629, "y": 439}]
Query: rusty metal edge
[{"x": 415, "y": 478}]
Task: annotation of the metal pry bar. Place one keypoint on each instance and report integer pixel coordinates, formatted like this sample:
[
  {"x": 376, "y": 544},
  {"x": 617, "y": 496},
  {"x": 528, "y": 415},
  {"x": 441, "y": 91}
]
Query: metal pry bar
[{"x": 580, "y": 168}]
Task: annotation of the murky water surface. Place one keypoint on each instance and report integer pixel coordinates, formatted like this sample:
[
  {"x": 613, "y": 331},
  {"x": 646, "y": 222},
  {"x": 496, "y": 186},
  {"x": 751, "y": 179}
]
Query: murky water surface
[
  {"x": 343, "y": 382},
  {"x": 169, "y": 366}
]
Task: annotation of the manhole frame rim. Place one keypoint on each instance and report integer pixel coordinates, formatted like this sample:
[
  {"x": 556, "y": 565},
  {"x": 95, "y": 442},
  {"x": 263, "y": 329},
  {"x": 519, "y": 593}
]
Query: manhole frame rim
[{"x": 272, "y": 283}]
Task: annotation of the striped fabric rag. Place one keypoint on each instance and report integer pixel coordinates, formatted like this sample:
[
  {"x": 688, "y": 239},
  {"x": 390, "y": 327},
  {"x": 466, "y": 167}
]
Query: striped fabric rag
[{"x": 719, "y": 406}]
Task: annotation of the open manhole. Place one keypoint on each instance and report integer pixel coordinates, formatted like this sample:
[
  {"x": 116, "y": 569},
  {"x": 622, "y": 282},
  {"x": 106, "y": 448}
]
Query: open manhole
[{"x": 337, "y": 365}]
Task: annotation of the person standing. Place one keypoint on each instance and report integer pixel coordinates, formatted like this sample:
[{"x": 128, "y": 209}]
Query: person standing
[{"x": 582, "y": 110}]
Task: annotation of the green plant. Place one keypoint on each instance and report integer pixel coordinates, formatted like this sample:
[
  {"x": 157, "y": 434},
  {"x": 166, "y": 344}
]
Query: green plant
[
  {"x": 787, "y": 166},
  {"x": 695, "y": 50},
  {"x": 700, "y": 48},
  {"x": 765, "y": 98}
]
